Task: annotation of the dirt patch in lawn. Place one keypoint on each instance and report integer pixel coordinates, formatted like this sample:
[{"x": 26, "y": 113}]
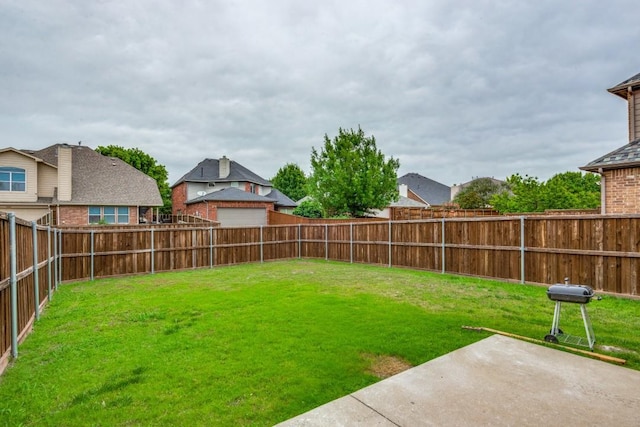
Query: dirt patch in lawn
[{"x": 383, "y": 366}]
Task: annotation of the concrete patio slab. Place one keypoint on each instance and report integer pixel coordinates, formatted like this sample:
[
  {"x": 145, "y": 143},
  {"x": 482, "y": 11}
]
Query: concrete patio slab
[{"x": 496, "y": 381}]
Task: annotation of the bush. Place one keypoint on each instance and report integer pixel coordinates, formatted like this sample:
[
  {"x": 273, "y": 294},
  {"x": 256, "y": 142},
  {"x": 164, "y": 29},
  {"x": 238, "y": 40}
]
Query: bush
[{"x": 309, "y": 209}]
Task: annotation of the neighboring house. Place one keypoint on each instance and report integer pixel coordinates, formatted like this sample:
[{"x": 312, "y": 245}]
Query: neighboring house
[
  {"x": 225, "y": 191},
  {"x": 425, "y": 190},
  {"x": 403, "y": 202},
  {"x": 77, "y": 184},
  {"x": 455, "y": 189},
  {"x": 620, "y": 169}
]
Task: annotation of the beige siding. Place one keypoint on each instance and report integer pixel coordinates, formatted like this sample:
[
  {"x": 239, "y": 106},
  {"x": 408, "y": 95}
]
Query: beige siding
[
  {"x": 26, "y": 213},
  {"x": 10, "y": 158},
  {"x": 635, "y": 118},
  {"x": 64, "y": 173},
  {"x": 47, "y": 180}
]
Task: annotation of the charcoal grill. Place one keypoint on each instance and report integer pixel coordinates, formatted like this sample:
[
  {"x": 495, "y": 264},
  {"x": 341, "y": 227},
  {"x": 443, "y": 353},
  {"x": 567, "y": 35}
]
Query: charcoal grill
[{"x": 574, "y": 294}]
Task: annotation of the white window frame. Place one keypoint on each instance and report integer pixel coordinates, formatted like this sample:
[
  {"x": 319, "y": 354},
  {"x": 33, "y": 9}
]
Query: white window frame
[
  {"x": 109, "y": 214},
  {"x": 11, "y": 182}
]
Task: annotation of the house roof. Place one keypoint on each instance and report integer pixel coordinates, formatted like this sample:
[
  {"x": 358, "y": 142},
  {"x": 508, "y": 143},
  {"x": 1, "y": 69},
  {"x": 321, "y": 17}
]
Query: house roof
[
  {"x": 102, "y": 180},
  {"x": 430, "y": 191},
  {"x": 621, "y": 88},
  {"x": 208, "y": 170},
  {"x": 405, "y": 202},
  {"x": 281, "y": 199},
  {"x": 231, "y": 194},
  {"x": 492, "y": 179},
  {"x": 623, "y": 157}
]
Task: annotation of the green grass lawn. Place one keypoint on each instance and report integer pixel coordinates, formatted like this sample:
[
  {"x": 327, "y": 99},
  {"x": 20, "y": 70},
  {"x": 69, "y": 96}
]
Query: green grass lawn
[{"x": 257, "y": 344}]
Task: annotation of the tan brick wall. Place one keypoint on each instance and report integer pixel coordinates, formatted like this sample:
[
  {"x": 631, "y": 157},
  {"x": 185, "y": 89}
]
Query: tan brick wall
[
  {"x": 622, "y": 191},
  {"x": 79, "y": 215}
]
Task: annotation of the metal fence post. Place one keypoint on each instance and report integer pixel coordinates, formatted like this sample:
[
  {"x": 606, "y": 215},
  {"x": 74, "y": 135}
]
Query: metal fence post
[
  {"x": 390, "y": 243},
  {"x": 49, "y": 263},
  {"x": 299, "y": 241},
  {"x": 522, "y": 249},
  {"x": 152, "y": 253},
  {"x": 443, "y": 249},
  {"x": 210, "y": 247},
  {"x": 55, "y": 259},
  {"x": 261, "y": 246},
  {"x": 60, "y": 256},
  {"x": 92, "y": 254},
  {"x": 326, "y": 242},
  {"x": 14, "y": 284},
  {"x": 351, "y": 242},
  {"x": 36, "y": 279}
]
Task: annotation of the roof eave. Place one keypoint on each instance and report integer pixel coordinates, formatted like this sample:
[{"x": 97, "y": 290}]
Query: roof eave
[{"x": 600, "y": 168}]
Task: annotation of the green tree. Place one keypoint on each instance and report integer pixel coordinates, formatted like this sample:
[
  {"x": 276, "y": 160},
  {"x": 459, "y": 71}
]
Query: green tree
[
  {"x": 350, "y": 176},
  {"x": 146, "y": 164},
  {"x": 568, "y": 190},
  {"x": 477, "y": 194},
  {"x": 572, "y": 190},
  {"x": 291, "y": 181},
  {"x": 522, "y": 194},
  {"x": 309, "y": 209}
]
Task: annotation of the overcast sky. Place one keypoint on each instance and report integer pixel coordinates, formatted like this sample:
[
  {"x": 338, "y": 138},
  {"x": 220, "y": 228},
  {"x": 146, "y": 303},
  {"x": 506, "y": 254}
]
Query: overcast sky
[{"x": 453, "y": 89}]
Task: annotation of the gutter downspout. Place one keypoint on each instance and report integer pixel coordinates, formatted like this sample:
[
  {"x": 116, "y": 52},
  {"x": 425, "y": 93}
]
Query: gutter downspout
[{"x": 603, "y": 193}]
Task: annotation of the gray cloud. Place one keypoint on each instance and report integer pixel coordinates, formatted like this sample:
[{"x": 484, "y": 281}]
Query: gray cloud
[{"x": 452, "y": 89}]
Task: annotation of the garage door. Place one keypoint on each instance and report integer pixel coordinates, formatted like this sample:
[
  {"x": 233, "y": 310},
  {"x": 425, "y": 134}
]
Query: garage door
[{"x": 236, "y": 217}]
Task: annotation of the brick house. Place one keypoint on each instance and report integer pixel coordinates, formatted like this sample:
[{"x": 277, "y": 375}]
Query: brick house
[
  {"x": 225, "y": 191},
  {"x": 76, "y": 184},
  {"x": 425, "y": 190},
  {"x": 620, "y": 169}
]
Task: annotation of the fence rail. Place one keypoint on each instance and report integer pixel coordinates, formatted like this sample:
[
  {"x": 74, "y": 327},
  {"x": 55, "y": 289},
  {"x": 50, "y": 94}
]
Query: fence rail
[{"x": 601, "y": 251}]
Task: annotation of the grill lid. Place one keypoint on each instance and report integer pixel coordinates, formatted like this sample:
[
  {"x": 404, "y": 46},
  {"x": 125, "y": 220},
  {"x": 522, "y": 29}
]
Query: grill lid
[{"x": 570, "y": 293}]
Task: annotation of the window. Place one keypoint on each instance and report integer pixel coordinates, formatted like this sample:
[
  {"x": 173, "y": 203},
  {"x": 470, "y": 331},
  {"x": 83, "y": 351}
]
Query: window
[
  {"x": 12, "y": 179},
  {"x": 108, "y": 214}
]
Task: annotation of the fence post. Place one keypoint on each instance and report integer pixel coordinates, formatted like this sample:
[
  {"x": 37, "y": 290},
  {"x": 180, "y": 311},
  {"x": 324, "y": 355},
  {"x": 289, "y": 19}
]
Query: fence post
[
  {"x": 194, "y": 250},
  {"x": 92, "y": 254},
  {"x": 59, "y": 257},
  {"x": 443, "y": 249},
  {"x": 14, "y": 284},
  {"x": 351, "y": 242},
  {"x": 299, "y": 241},
  {"x": 390, "y": 243},
  {"x": 152, "y": 261},
  {"x": 55, "y": 259},
  {"x": 326, "y": 242},
  {"x": 261, "y": 246},
  {"x": 522, "y": 249},
  {"x": 210, "y": 247},
  {"x": 36, "y": 279},
  {"x": 49, "y": 262}
]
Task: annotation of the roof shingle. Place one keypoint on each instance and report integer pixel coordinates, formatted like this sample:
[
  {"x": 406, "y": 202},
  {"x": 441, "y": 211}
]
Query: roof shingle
[
  {"x": 626, "y": 156},
  {"x": 102, "y": 180},
  {"x": 208, "y": 170}
]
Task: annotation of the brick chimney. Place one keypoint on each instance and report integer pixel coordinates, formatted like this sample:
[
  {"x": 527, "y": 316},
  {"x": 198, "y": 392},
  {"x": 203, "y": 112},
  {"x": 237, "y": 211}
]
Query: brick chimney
[
  {"x": 224, "y": 167},
  {"x": 64, "y": 172}
]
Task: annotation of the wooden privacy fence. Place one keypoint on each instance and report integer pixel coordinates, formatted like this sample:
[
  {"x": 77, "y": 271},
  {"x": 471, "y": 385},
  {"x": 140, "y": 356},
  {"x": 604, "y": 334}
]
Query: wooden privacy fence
[
  {"x": 600, "y": 251},
  {"x": 29, "y": 273}
]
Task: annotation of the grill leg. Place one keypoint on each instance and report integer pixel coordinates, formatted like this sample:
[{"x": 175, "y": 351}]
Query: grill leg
[
  {"x": 555, "y": 327},
  {"x": 591, "y": 337}
]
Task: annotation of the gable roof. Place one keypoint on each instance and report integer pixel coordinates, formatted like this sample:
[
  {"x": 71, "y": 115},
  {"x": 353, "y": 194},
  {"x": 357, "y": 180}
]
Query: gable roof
[
  {"x": 405, "y": 202},
  {"x": 430, "y": 191},
  {"x": 281, "y": 199},
  {"x": 102, "y": 180},
  {"x": 621, "y": 88},
  {"x": 230, "y": 194},
  {"x": 623, "y": 157},
  {"x": 26, "y": 153},
  {"x": 208, "y": 170}
]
